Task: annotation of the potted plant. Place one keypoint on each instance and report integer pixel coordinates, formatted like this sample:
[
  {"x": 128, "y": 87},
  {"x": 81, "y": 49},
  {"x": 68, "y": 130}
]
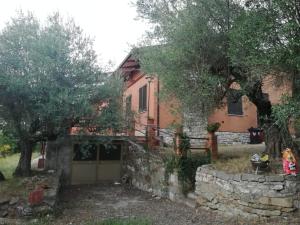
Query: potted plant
[{"x": 213, "y": 127}]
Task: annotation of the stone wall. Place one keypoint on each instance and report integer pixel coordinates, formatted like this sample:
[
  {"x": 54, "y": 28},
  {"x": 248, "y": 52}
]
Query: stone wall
[
  {"x": 167, "y": 136},
  {"x": 146, "y": 171},
  {"x": 229, "y": 138},
  {"x": 58, "y": 158},
  {"x": 247, "y": 194},
  {"x": 194, "y": 125}
]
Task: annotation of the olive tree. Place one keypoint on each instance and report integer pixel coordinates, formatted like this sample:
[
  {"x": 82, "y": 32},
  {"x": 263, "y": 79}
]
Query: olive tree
[
  {"x": 49, "y": 79},
  {"x": 203, "y": 47}
]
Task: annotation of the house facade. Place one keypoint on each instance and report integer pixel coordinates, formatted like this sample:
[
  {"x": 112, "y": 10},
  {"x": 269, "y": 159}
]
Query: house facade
[
  {"x": 142, "y": 103},
  {"x": 236, "y": 116}
]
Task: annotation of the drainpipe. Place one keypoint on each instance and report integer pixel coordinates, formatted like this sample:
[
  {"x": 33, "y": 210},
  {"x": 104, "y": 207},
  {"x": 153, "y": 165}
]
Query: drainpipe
[{"x": 158, "y": 118}]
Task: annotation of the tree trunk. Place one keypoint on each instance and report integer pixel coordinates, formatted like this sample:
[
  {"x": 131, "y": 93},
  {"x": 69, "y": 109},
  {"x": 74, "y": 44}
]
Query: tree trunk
[
  {"x": 24, "y": 166},
  {"x": 2, "y": 178},
  {"x": 276, "y": 138}
]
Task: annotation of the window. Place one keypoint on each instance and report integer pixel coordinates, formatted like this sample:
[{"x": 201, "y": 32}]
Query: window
[
  {"x": 85, "y": 152},
  {"x": 234, "y": 102},
  {"x": 110, "y": 152},
  {"x": 128, "y": 105},
  {"x": 143, "y": 98}
]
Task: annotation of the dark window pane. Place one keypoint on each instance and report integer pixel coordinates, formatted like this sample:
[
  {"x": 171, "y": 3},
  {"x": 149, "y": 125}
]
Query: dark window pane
[
  {"x": 110, "y": 152},
  {"x": 234, "y": 102},
  {"x": 143, "y": 98},
  {"x": 85, "y": 152},
  {"x": 128, "y": 105}
]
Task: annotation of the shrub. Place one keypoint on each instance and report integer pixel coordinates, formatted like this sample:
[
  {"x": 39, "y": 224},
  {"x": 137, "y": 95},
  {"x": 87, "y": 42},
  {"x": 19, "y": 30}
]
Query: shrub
[
  {"x": 5, "y": 150},
  {"x": 186, "y": 167},
  {"x": 7, "y": 145},
  {"x": 213, "y": 127}
]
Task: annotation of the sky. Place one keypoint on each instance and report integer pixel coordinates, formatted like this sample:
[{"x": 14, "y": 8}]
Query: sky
[{"x": 111, "y": 23}]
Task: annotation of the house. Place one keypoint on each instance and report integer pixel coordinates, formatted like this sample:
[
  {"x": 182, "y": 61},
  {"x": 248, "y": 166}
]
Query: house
[{"x": 141, "y": 95}]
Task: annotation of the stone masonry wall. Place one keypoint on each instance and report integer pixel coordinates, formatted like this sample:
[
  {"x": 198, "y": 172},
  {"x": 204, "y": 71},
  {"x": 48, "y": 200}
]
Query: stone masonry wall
[
  {"x": 247, "y": 194},
  {"x": 194, "y": 125},
  {"x": 167, "y": 136},
  {"x": 58, "y": 158},
  {"x": 229, "y": 138},
  {"x": 146, "y": 171}
]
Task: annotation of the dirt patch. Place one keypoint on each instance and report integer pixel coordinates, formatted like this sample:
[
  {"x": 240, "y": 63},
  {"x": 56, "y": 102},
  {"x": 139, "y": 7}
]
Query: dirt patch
[{"x": 80, "y": 204}]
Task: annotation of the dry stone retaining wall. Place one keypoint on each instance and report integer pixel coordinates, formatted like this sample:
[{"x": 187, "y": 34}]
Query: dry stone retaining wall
[
  {"x": 146, "y": 171},
  {"x": 247, "y": 194}
]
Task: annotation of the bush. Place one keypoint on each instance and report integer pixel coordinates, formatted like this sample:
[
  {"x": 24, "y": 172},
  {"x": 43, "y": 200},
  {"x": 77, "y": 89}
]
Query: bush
[
  {"x": 5, "y": 150},
  {"x": 7, "y": 145},
  {"x": 213, "y": 127},
  {"x": 186, "y": 167}
]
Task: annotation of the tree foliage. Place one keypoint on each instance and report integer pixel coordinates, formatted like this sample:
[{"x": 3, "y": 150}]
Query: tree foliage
[
  {"x": 203, "y": 47},
  {"x": 49, "y": 78},
  {"x": 274, "y": 45}
]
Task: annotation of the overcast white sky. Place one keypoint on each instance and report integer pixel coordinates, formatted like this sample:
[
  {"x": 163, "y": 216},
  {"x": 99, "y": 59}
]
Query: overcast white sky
[{"x": 111, "y": 23}]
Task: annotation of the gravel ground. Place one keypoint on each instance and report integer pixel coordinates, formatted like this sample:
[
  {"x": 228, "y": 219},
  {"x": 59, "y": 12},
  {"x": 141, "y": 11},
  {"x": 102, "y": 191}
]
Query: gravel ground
[{"x": 98, "y": 202}]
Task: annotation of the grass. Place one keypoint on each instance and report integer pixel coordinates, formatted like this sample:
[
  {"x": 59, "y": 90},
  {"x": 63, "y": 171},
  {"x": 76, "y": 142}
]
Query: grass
[
  {"x": 11, "y": 186},
  {"x": 236, "y": 159},
  {"x": 9, "y": 164}
]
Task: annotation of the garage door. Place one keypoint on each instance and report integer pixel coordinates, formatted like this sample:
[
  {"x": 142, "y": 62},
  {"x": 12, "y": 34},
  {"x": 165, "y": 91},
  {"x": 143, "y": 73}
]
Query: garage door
[{"x": 94, "y": 162}]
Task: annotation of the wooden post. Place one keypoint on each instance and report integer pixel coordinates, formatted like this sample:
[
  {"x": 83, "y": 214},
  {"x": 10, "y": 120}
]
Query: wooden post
[
  {"x": 178, "y": 133},
  {"x": 150, "y": 134},
  {"x": 212, "y": 144}
]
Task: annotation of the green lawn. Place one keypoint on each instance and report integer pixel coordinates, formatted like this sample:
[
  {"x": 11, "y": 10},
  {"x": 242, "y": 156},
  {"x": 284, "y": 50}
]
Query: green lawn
[
  {"x": 12, "y": 186},
  {"x": 9, "y": 164}
]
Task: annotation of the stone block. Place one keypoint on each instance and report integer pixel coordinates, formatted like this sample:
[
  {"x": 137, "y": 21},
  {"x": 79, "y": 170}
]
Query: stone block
[
  {"x": 288, "y": 210},
  {"x": 252, "y": 177},
  {"x": 201, "y": 201},
  {"x": 277, "y": 187},
  {"x": 237, "y": 177},
  {"x": 190, "y": 203},
  {"x": 173, "y": 179},
  {"x": 208, "y": 195},
  {"x": 4, "y": 200},
  {"x": 242, "y": 189},
  {"x": 212, "y": 172},
  {"x": 213, "y": 206},
  {"x": 224, "y": 176},
  {"x": 282, "y": 202},
  {"x": 192, "y": 195},
  {"x": 224, "y": 185},
  {"x": 274, "y": 178},
  {"x": 267, "y": 213}
]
